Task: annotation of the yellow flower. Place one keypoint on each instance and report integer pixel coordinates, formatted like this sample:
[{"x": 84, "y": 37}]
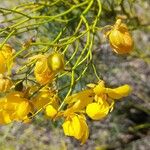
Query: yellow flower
[
  {"x": 55, "y": 62},
  {"x": 5, "y": 84},
  {"x": 48, "y": 100},
  {"x": 42, "y": 73},
  {"x": 120, "y": 38},
  {"x": 14, "y": 107},
  {"x": 21, "y": 106},
  {"x": 6, "y": 53},
  {"x": 104, "y": 99},
  {"x": 75, "y": 125}
]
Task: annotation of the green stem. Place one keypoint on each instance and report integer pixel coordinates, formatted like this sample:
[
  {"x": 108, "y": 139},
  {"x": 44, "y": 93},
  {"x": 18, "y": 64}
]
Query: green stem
[{"x": 6, "y": 39}]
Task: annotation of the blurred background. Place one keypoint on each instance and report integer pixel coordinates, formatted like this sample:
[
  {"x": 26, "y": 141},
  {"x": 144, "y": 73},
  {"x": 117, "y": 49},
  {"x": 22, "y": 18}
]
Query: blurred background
[{"x": 127, "y": 127}]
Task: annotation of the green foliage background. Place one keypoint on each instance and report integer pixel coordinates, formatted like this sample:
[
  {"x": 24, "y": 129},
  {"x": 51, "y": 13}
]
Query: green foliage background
[{"x": 128, "y": 125}]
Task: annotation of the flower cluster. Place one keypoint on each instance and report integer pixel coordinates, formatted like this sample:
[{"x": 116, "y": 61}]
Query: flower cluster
[{"x": 96, "y": 101}]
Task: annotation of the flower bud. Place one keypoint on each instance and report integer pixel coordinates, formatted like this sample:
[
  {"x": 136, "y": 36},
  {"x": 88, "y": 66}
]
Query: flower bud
[
  {"x": 120, "y": 38},
  {"x": 56, "y": 62}
]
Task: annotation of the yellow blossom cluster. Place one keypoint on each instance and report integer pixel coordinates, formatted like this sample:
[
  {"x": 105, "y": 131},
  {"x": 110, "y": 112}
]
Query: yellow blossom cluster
[
  {"x": 16, "y": 107},
  {"x": 95, "y": 102}
]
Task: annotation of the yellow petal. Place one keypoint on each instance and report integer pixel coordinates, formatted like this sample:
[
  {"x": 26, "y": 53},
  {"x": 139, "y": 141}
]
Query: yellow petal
[
  {"x": 41, "y": 100},
  {"x": 67, "y": 127},
  {"x": 83, "y": 95},
  {"x": 5, "y": 84},
  {"x": 80, "y": 100},
  {"x": 5, "y": 58},
  {"x": 10, "y": 107},
  {"x": 4, "y": 117},
  {"x": 3, "y": 67},
  {"x": 100, "y": 88},
  {"x": 119, "y": 92},
  {"x": 3, "y": 101},
  {"x": 81, "y": 104},
  {"x": 41, "y": 66},
  {"x": 45, "y": 77},
  {"x": 42, "y": 73},
  {"x": 50, "y": 111},
  {"x": 85, "y": 130},
  {"x": 15, "y": 97},
  {"x": 44, "y": 98},
  {"x": 23, "y": 109},
  {"x": 76, "y": 126},
  {"x": 97, "y": 111}
]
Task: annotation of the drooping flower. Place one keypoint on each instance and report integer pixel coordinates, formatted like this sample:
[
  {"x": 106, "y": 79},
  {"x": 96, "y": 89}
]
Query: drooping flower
[
  {"x": 6, "y": 53},
  {"x": 96, "y": 102},
  {"x": 21, "y": 106},
  {"x": 47, "y": 100},
  {"x": 120, "y": 38},
  {"x": 75, "y": 122},
  {"x": 42, "y": 72},
  {"x": 75, "y": 126},
  {"x": 104, "y": 99},
  {"x": 14, "y": 107}
]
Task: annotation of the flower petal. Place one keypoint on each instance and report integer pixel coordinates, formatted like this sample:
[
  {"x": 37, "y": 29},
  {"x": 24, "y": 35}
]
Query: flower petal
[
  {"x": 97, "y": 111},
  {"x": 85, "y": 130},
  {"x": 119, "y": 92},
  {"x": 50, "y": 111}
]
